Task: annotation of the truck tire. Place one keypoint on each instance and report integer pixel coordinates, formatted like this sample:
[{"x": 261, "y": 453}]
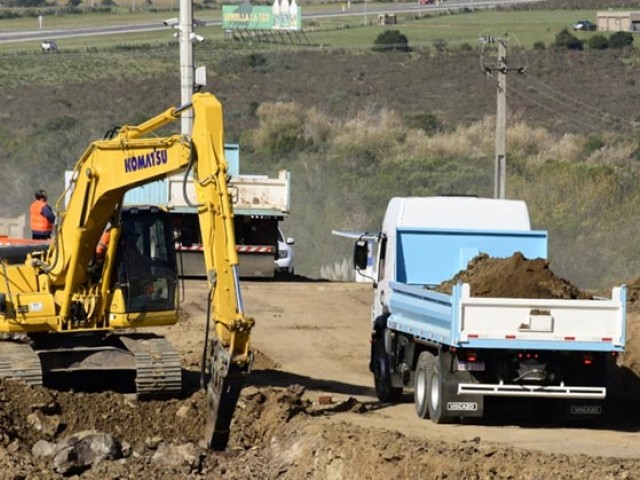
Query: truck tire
[
  {"x": 385, "y": 391},
  {"x": 436, "y": 398},
  {"x": 424, "y": 373}
]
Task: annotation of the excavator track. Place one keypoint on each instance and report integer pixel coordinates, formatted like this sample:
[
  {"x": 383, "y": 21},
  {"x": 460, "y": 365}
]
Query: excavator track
[
  {"x": 150, "y": 359},
  {"x": 157, "y": 364},
  {"x": 18, "y": 361}
]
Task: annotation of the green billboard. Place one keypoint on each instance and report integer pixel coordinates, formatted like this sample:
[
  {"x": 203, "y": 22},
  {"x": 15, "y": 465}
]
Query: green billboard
[{"x": 282, "y": 15}]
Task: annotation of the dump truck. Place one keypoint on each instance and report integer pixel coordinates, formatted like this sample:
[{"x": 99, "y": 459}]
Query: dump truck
[
  {"x": 459, "y": 352},
  {"x": 259, "y": 202}
]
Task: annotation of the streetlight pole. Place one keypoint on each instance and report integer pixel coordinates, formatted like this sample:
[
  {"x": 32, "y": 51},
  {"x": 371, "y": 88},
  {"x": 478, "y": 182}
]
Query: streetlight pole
[
  {"x": 365, "y": 12},
  {"x": 186, "y": 62}
]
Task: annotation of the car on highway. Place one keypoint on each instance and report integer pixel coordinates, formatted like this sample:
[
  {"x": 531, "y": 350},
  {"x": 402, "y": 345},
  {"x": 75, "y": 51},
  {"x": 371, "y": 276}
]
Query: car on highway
[
  {"x": 584, "y": 26},
  {"x": 284, "y": 260},
  {"x": 49, "y": 46}
]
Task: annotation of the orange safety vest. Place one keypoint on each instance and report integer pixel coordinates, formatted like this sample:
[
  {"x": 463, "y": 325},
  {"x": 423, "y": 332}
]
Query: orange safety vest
[
  {"x": 39, "y": 223},
  {"x": 101, "y": 249}
]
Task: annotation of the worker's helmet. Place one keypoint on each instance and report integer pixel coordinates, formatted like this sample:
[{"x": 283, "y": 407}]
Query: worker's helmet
[{"x": 41, "y": 195}]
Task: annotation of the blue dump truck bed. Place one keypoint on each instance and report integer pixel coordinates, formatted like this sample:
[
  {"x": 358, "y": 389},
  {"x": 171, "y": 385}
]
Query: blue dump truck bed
[{"x": 427, "y": 257}]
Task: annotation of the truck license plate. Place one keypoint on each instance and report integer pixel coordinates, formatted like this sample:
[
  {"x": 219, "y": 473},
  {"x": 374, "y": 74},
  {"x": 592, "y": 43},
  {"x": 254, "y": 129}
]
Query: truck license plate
[{"x": 471, "y": 366}]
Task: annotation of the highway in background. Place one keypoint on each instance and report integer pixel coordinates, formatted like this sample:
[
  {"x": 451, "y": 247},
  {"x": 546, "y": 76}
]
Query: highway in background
[{"x": 355, "y": 10}]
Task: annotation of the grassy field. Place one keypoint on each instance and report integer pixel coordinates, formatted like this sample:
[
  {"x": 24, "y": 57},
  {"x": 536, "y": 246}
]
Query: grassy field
[{"x": 349, "y": 32}]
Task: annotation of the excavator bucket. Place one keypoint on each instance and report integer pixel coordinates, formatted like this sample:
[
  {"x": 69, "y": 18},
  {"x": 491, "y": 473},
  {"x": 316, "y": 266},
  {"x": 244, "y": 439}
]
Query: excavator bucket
[{"x": 223, "y": 390}]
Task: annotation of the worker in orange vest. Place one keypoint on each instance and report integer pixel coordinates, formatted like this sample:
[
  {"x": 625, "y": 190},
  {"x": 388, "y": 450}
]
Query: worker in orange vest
[
  {"x": 42, "y": 217},
  {"x": 103, "y": 244}
]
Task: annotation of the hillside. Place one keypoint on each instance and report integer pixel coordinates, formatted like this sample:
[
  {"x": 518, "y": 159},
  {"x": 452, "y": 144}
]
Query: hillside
[{"x": 52, "y": 108}]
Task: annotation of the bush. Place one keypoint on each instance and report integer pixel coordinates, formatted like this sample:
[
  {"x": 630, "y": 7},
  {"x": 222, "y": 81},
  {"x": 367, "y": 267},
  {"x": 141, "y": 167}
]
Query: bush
[
  {"x": 440, "y": 45},
  {"x": 598, "y": 42},
  {"x": 390, "y": 40},
  {"x": 565, "y": 39},
  {"x": 539, "y": 46},
  {"x": 620, "y": 40}
]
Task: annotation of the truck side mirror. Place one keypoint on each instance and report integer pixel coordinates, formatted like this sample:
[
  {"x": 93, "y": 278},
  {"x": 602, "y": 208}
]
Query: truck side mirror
[
  {"x": 186, "y": 239},
  {"x": 360, "y": 255}
]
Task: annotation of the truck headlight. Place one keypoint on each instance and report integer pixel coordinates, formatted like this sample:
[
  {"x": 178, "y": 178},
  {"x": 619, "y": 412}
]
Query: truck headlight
[{"x": 283, "y": 253}]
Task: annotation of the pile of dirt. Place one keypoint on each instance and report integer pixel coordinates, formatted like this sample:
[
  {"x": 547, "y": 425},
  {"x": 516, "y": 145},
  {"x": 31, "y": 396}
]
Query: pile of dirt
[
  {"x": 633, "y": 295},
  {"x": 513, "y": 277},
  {"x": 274, "y": 437}
]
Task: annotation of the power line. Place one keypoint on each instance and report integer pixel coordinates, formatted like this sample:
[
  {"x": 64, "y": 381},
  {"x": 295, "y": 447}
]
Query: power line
[{"x": 602, "y": 117}]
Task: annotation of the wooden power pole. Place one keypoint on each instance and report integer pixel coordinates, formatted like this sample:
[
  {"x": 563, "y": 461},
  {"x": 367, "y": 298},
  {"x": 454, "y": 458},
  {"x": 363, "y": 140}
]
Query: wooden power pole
[
  {"x": 501, "y": 68},
  {"x": 501, "y": 122}
]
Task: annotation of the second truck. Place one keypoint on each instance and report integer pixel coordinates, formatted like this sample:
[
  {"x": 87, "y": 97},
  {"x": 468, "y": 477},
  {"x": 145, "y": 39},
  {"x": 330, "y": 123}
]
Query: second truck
[{"x": 457, "y": 351}]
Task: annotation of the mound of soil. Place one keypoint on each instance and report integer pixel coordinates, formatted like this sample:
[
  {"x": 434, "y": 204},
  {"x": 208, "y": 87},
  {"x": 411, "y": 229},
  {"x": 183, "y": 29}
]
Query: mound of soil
[
  {"x": 513, "y": 277},
  {"x": 633, "y": 295},
  {"x": 276, "y": 435}
]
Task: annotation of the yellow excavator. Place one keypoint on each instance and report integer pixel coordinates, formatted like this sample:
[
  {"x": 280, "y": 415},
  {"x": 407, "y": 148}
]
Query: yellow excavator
[{"x": 64, "y": 310}]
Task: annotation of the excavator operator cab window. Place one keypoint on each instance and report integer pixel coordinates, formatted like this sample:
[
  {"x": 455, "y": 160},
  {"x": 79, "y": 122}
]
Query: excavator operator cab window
[{"x": 146, "y": 261}]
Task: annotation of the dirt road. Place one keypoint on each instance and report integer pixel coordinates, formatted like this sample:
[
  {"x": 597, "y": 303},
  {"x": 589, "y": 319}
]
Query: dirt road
[
  {"x": 317, "y": 333},
  {"x": 312, "y": 342}
]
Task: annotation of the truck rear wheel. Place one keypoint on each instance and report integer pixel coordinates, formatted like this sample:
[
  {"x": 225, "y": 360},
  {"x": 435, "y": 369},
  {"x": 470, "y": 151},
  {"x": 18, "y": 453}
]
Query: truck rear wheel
[
  {"x": 424, "y": 373},
  {"x": 437, "y": 400},
  {"x": 385, "y": 391}
]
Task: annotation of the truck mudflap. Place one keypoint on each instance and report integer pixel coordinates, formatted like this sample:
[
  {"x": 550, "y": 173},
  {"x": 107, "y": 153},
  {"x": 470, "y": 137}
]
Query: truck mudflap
[
  {"x": 532, "y": 391},
  {"x": 460, "y": 404}
]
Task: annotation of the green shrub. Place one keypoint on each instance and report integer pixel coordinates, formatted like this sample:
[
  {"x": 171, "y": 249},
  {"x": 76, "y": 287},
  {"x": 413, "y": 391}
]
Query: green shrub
[
  {"x": 593, "y": 143},
  {"x": 567, "y": 40},
  {"x": 440, "y": 45},
  {"x": 391, "y": 40},
  {"x": 539, "y": 45},
  {"x": 620, "y": 40},
  {"x": 598, "y": 42}
]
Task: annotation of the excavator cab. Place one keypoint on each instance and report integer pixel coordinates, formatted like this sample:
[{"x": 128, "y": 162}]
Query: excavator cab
[{"x": 146, "y": 261}]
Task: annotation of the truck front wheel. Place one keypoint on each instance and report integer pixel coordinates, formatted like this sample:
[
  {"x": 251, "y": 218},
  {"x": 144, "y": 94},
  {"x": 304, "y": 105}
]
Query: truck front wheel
[
  {"x": 437, "y": 400},
  {"x": 424, "y": 373},
  {"x": 382, "y": 373}
]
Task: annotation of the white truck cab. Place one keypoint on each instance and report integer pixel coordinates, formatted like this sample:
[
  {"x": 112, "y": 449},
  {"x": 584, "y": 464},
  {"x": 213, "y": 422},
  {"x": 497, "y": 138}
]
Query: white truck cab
[{"x": 469, "y": 213}]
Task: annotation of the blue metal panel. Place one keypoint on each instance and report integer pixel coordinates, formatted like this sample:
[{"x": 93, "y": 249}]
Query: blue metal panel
[
  {"x": 431, "y": 256},
  {"x": 421, "y": 312},
  {"x": 155, "y": 193},
  {"x": 232, "y": 155}
]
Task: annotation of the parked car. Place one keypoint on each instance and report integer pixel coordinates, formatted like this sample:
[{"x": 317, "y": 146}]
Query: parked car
[
  {"x": 284, "y": 261},
  {"x": 49, "y": 46},
  {"x": 584, "y": 26}
]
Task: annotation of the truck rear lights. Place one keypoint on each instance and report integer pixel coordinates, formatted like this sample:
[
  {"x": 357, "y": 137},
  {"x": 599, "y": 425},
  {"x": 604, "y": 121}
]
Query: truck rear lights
[
  {"x": 472, "y": 357},
  {"x": 528, "y": 355},
  {"x": 587, "y": 359}
]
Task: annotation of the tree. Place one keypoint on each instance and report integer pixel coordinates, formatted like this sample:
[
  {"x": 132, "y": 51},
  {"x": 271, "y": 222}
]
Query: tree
[
  {"x": 620, "y": 40},
  {"x": 598, "y": 42},
  {"x": 390, "y": 40},
  {"x": 565, "y": 39}
]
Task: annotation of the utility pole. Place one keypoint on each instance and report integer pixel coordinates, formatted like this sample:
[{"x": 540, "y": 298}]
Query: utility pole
[
  {"x": 186, "y": 62},
  {"x": 501, "y": 122},
  {"x": 502, "y": 68},
  {"x": 365, "y": 13}
]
